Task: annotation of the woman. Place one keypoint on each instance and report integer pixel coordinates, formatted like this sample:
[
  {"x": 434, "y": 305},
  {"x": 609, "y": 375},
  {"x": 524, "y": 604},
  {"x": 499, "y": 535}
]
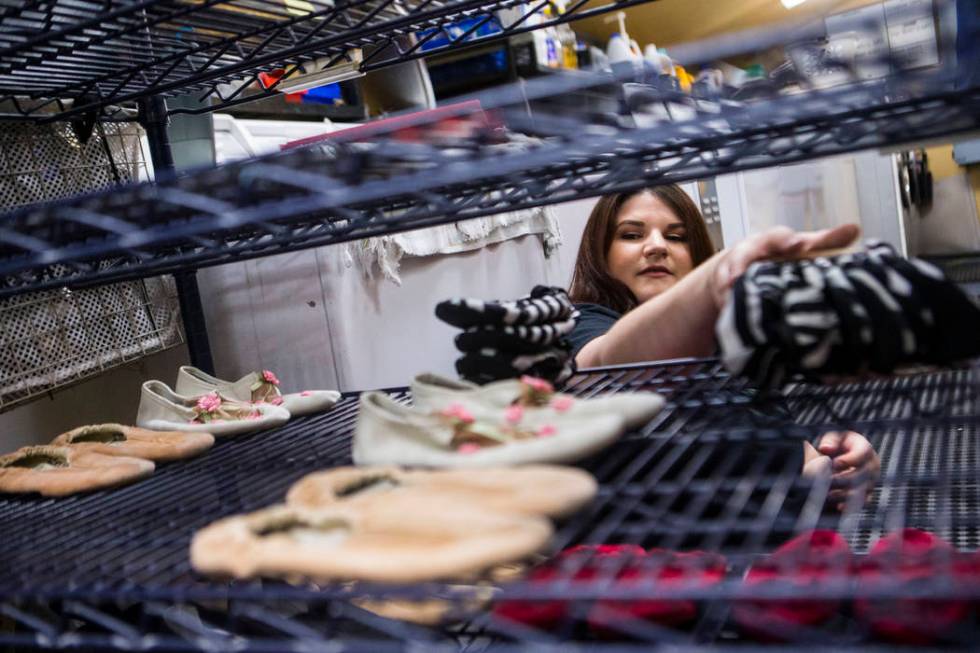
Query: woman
[{"x": 649, "y": 286}]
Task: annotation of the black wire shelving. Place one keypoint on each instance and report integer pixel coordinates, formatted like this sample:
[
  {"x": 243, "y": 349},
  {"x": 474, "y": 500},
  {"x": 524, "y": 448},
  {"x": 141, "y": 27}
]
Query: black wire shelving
[
  {"x": 554, "y": 139},
  {"x": 715, "y": 471},
  {"x": 59, "y": 60}
]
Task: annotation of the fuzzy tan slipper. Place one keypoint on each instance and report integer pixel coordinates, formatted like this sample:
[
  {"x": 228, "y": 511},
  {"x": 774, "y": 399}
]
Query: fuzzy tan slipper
[
  {"x": 547, "y": 490},
  {"x": 397, "y": 541},
  {"x": 118, "y": 440},
  {"x": 58, "y": 471}
]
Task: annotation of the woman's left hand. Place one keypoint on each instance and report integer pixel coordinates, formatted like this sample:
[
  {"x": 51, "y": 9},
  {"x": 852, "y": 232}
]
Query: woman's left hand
[{"x": 855, "y": 466}]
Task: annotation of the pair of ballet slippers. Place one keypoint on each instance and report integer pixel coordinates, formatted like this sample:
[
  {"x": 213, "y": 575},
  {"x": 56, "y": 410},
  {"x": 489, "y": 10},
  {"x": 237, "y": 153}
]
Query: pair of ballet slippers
[
  {"x": 205, "y": 403},
  {"x": 95, "y": 457},
  {"x": 390, "y": 525},
  {"x": 511, "y": 422}
]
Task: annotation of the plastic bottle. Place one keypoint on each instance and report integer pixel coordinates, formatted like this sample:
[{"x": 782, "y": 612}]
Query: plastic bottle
[
  {"x": 684, "y": 78},
  {"x": 652, "y": 56},
  {"x": 618, "y": 49},
  {"x": 667, "y": 63},
  {"x": 553, "y": 45},
  {"x": 620, "y": 46},
  {"x": 568, "y": 46}
]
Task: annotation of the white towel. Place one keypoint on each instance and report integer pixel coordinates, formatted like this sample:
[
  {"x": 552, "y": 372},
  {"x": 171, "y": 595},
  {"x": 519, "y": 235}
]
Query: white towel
[{"x": 387, "y": 251}]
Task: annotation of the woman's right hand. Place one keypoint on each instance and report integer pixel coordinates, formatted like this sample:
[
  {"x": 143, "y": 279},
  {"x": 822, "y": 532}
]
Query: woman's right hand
[{"x": 778, "y": 242}]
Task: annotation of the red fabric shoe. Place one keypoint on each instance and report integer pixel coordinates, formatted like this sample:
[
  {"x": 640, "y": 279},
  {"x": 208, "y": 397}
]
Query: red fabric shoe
[
  {"x": 685, "y": 571},
  {"x": 548, "y": 614},
  {"x": 802, "y": 564},
  {"x": 912, "y": 555}
]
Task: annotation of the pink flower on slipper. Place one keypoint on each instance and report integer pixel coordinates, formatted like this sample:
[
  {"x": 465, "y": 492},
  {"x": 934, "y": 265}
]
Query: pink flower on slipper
[
  {"x": 536, "y": 384},
  {"x": 209, "y": 403},
  {"x": 276, "y": 401},
  {"x": 562, "y": 403},
  {"x": 468, "y": 447},
  {"x": 305, "y": 393},
  {"x": 514, "y": 413},
  {"x": 269, "y": 377},
  {"x": 546, "y": 431},
  {"x": 457, "y": 411},
  {"x": 255, "y": 415}
]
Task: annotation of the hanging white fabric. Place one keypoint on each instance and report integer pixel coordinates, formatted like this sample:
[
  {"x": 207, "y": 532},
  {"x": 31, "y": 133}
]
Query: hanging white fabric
[{"x": 386, "y": 252}]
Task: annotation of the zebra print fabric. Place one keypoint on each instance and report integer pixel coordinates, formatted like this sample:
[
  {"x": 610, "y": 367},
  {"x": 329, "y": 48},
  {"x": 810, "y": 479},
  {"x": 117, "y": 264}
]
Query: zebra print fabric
[
  {"x": 507, "y": 339},
  {"x": 543, "y": 306},
  {"x": 554, "y": 364},
  {"x": 524, "y": 339},
  {"x": 872, "y": 311}
]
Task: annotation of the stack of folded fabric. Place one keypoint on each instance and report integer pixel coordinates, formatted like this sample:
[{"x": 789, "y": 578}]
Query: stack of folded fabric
[
  {"x": 507, "y": 339},
  {"x": 618, "y": 568},
  {"x": 816, "y": 572},
  {"x": 872, "y": 311},
  {"x": 804, "y": 585}
]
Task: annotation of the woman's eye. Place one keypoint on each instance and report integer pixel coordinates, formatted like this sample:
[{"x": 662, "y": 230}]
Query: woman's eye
[
  {"x": 680, "y": 238},
  {"x": 630, "y": 236}
]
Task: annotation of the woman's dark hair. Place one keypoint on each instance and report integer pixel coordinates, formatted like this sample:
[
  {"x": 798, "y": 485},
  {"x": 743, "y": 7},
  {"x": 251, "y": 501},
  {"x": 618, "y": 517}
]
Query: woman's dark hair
[{"x": 591, "y": 281}]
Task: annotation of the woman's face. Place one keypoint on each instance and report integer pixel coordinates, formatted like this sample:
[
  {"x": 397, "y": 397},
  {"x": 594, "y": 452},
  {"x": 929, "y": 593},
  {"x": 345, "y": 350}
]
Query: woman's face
[{"x": 649, "y": 251}]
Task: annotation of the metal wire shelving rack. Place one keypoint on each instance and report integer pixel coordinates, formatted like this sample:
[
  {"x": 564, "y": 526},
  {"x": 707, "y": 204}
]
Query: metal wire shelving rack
[
  {"x": 349, "y": 190},
  {"x": 110, "y": 570},
  {"x": 715, "y": 471},
  {"x": 554, "y": 139},
  {"x": 60, "y": 61}
]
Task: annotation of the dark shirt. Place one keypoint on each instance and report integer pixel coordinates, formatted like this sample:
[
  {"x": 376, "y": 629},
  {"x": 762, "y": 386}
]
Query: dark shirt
[{"x": 593, "y": 321}]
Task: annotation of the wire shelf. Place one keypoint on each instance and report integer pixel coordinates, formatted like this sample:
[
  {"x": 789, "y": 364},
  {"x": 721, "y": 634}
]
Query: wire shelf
[
  {"x": 577, "y": 141},
  {"x": 61, "y": 60},
  {"x": 717, "y": 470}
]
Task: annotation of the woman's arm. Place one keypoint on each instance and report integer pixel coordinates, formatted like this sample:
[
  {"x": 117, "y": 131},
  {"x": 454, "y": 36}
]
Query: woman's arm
[{"x": 680, "y": 322}]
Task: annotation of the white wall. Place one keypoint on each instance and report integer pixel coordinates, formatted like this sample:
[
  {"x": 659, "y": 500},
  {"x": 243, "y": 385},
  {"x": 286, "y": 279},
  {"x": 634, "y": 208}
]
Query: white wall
[
  {"x": 319, "y": 324},
  {"x": 815, "y": 195}
]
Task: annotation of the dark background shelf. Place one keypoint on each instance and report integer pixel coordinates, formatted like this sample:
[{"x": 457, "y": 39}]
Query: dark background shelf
[{"x": 59, "y": 59}]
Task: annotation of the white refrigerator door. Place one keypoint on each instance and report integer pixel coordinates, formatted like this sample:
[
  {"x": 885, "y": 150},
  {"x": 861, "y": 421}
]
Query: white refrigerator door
[{"x": 859, "y": 188}]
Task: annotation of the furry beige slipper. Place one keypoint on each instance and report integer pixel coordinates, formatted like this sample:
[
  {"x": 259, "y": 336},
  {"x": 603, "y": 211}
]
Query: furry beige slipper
[
  {"x": 547, "y": 490},
  {"x": 59, "y": 471},
  {"x": 397, "y": 541},
  {"x": 119, "y": 440}
]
